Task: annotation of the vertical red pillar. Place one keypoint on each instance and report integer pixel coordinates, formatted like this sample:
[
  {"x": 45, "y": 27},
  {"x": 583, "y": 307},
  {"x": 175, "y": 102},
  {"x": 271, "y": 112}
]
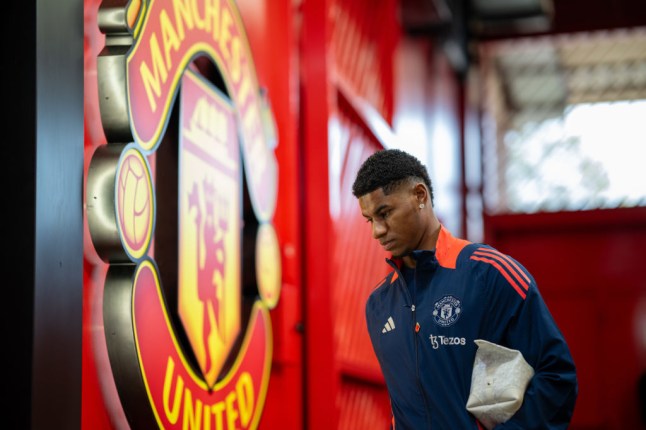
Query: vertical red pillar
[
  {"x": 321, "y": 378},
  {"x": 272, "y": 30}
]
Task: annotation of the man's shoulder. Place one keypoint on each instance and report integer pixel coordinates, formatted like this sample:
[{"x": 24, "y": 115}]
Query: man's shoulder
[
  {"x": 474, "y": 248},
  {"x": 500, "y": 268},
  {"x": 390, "y": 278},
  {"x": 382, "y": 288}
]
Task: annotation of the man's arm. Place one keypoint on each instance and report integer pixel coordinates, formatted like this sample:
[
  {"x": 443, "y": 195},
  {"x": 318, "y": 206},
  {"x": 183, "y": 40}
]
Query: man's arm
[{"x": 551, "y": 394}]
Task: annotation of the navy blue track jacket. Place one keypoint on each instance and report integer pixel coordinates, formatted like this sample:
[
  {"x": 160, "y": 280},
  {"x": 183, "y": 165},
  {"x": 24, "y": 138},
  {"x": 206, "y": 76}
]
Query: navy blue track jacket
[{"x": 424, "y": 337}]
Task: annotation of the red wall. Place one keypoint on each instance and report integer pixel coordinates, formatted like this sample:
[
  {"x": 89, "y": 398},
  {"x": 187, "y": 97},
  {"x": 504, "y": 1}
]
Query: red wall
[
  {"x": 326, "y": 66},
  {"x": 324, "y": 374},
  {"x": 273, "y": 36},
  {"x": 589, "y": 267}
]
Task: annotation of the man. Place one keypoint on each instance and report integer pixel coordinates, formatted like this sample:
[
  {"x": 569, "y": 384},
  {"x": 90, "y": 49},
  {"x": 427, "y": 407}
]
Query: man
[{"x": 443, "y": 294}]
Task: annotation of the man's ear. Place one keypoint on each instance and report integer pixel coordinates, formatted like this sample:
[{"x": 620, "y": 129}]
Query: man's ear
[{"x": 421, "y": 192}]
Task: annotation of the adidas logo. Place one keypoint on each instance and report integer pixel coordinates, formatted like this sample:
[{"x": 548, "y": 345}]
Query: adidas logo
[{"x": 390, "y": 325}]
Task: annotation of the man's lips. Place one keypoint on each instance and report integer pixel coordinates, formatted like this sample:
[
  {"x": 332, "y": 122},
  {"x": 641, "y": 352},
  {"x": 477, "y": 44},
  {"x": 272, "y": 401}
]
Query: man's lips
[{"x": 387, "y": 244}]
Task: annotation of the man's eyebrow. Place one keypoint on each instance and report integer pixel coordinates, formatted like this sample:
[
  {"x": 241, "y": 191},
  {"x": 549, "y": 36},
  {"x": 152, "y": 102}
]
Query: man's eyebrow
[
  {"x": 380, "y": 209},
  {"x": 377, "y": 211}
]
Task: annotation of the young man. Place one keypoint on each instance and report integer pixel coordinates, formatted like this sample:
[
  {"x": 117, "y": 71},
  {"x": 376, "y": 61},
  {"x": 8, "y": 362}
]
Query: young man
[{"x": 443, "y": 294}]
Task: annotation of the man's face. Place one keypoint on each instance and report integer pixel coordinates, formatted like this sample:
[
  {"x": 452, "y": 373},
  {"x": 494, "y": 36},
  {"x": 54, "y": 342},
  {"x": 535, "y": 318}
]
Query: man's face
[{"x": 395, "y": 219}]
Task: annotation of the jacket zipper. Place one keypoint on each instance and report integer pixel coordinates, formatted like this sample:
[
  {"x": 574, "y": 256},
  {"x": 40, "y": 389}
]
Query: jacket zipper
[{"x": 416, "y": 329}]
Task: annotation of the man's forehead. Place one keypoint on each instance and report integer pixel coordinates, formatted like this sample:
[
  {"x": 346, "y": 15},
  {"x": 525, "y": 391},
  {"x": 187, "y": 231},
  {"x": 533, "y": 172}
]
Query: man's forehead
[{"x": 377, "y": 200}]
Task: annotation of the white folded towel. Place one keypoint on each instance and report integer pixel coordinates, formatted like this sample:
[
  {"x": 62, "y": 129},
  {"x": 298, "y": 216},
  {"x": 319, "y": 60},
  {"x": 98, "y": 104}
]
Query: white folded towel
[{"x": 498, "y": 383}]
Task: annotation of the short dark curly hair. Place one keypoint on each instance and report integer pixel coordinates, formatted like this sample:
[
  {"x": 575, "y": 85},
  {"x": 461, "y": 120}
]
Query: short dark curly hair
[{"x": 387, "y": 169}]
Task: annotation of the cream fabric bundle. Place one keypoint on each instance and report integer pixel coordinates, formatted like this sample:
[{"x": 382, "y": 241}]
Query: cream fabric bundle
[{"x": 498, "y": 383}]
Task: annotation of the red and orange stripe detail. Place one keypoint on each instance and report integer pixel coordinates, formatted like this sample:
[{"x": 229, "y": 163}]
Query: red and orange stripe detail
[{"x": 507, "y": 268}]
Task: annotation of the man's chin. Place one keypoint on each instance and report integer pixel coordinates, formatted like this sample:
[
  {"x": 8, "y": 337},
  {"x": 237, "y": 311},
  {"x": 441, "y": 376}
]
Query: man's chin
[{"x": 399, "y": 254}]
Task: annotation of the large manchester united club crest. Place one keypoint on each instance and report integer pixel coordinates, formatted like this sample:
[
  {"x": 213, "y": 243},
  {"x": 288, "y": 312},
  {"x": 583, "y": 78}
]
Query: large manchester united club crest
[{"x": 179, "y": 204}]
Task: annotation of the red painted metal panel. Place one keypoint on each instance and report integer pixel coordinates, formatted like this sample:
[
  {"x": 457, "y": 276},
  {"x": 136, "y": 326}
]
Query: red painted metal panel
[
  {"x": 363, "y": 36},
  {"x": 358, "y": 262},
  {"x": 321, "y": 376},
  {"x": 589, "y": 267},
  {"x": 273, "y": 35},
  {"x": 363, "y": 407},
  {"x": 357, "y": 266},
  {"x": 363, "y": 40}
]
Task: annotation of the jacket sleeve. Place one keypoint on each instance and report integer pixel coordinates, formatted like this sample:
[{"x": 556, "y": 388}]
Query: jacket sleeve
[{"x": 530, "y": 328}]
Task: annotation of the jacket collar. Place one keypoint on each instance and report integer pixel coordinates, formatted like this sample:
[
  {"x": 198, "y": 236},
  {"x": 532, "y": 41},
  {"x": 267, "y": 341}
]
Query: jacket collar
[{"x": 445, "y": 253}]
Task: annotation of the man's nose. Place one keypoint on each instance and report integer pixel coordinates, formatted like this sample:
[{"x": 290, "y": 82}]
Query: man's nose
[{"x": 378, "y": 229}]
